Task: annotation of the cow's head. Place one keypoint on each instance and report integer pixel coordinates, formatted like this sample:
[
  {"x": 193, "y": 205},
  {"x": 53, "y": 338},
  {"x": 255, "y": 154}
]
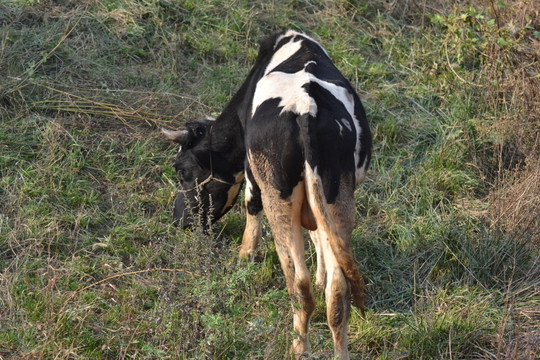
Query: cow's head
[{"x": 206, "y": 191}]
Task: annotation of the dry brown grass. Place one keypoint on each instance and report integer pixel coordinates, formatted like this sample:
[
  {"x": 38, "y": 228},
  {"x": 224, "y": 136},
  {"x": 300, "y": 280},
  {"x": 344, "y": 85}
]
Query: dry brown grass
[
  {"x": 513, "y": 86},
  {"x": 515, "y": 203}
]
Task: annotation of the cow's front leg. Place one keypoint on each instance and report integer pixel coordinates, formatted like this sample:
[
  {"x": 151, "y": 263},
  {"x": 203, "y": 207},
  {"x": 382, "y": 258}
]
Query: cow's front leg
[{"x": 252, "y": 232}]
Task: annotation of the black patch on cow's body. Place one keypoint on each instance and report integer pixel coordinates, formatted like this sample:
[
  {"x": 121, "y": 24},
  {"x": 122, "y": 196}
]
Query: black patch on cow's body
[
  {"x": 274, "y": 136},
  {"x": 332, "y": 145}
]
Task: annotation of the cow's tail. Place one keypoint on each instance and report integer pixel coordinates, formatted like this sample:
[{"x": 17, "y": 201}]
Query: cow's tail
[{"x": 323, "y": 218}]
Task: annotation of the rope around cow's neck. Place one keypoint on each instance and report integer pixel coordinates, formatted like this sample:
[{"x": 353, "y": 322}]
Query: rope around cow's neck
[{"x": 206, "y": 181}]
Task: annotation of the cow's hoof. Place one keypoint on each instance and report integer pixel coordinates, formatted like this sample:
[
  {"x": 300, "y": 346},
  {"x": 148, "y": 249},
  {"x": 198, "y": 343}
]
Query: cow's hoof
[{"x": 247, "y": 255}]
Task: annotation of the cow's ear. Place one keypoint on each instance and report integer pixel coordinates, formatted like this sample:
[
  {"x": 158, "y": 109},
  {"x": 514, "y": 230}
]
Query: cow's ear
[{"x": 180, "y": 136}]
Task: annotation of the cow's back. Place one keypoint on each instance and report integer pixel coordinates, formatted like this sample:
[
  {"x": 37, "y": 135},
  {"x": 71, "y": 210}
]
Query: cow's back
[{"x": 300, "y": 100}]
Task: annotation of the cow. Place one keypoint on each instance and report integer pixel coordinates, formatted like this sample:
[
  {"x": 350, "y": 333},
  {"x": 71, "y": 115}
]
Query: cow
[{"x": 297, "y": 134}]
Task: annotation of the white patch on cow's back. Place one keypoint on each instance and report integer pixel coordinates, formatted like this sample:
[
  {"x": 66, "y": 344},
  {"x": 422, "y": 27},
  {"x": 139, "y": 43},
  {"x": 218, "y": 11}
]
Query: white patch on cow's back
[
  {"x": 282, "y": 54},
  {"x": 288, "y": 88}
]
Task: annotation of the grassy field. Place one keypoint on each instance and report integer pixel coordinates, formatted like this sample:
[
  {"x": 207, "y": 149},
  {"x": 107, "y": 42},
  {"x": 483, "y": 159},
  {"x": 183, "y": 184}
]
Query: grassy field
[{"x": 447, "y": 233}]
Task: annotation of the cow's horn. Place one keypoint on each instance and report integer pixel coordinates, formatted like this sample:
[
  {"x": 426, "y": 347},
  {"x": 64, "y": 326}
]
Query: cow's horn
[{"x": 179, "y": 136}]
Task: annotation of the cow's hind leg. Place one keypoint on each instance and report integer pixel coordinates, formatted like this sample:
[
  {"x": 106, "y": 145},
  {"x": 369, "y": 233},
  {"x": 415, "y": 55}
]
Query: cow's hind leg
[
  {"x": 337, "y": 289},
  {"x": 335, "y": 223},
  {"x": 338, "y": 297},
  {"x": 284, "y": 218}
]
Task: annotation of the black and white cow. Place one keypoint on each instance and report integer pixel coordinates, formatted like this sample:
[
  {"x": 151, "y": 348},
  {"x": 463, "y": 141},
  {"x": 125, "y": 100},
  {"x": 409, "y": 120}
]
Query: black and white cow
[{"x": 298, "y": 134}]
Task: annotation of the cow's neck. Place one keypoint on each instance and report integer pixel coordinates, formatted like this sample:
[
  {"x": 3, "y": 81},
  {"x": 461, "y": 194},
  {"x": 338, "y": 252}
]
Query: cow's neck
[
  {"x": 227, "y": 143},
  {"x": 227, "y": 136}
]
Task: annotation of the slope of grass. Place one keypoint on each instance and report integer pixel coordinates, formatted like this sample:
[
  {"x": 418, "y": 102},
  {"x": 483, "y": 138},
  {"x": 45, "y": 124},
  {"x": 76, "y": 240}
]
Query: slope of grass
[{"x": 447, "y": 228}]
